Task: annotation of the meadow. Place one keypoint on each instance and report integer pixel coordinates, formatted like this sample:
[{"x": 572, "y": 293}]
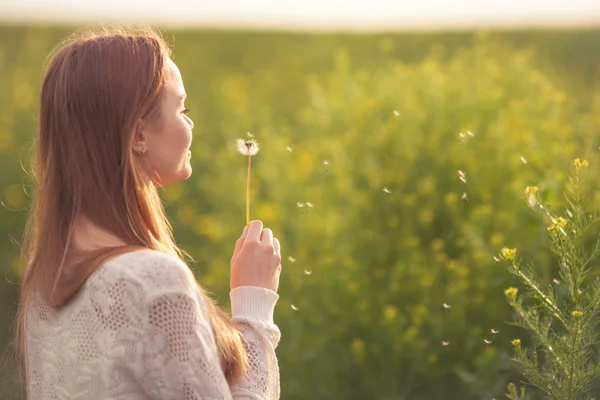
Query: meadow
[{"x": 392, "y": 169}]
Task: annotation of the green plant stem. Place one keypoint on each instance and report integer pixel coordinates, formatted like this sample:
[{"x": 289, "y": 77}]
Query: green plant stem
[
  {"x": 573, "y": 362},
  {"x": 554, "y": 308}
]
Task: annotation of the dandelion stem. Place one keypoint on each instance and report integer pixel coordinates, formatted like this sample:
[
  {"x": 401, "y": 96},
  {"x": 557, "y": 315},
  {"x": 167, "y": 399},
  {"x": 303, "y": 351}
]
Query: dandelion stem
[{"x": 248, "y": 193}]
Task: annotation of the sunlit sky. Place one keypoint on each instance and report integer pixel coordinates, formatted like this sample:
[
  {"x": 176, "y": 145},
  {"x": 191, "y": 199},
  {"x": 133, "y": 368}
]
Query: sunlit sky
[{"x": 310, "y": 14}]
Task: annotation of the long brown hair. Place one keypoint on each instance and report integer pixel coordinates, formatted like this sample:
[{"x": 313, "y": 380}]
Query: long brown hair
[{"x": 97, "y": 87}]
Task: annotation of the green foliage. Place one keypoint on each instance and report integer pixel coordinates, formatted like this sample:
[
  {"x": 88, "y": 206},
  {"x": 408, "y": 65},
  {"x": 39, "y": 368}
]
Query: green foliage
[
  {"x": 371, "y": 268},
  {"x": 563, "y": 318},
  {"x": 514, "y": 393}
]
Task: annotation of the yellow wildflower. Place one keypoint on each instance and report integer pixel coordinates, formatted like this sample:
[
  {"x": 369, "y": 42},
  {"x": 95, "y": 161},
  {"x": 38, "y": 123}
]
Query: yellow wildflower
[
  {"x": 531, "y": 190},
  {"x": 511, "y": 292},
  {"x": 557, "y": 224},
  {"x": 508, "y": 254},
  {"x": 578, "y": 163}
]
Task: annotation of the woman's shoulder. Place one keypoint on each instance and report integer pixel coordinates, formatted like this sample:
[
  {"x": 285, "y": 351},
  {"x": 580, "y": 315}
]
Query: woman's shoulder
[{"x": 150, "y": 270}]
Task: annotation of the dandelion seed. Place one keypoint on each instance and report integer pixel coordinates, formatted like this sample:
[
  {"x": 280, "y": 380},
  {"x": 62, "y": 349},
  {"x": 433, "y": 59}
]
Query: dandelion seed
[
  {"x": 556, "y": 281},
  {"x": 326, "y": 163},
  {"x": 497, "y": 259},
  {"x": 570, "y": 214},
  {"x": 494, "y": 332},
  {"x": 462, "y": 176},
  {"x": 300, "y": 205},
  {"x": 487, "y": 341},
  {"x": 249, "y": 135},
  {"x": 523, "y": 160},
  {"x": 464, "y": 196},
  {"x": 294, "y": 308},
  {"x": 463, "y": 136},
  {"x": 446, "y": 306},
  {"x": 386, "y": 190},
  {"x": 288, "y": 148},
  {"x": 291, "y": 259},
  {"x": 445, "y": 344},
  {"x": 307, "y": 272},
  {"x": 396, "y": 113},
  {"x": 309, "y": 205}
]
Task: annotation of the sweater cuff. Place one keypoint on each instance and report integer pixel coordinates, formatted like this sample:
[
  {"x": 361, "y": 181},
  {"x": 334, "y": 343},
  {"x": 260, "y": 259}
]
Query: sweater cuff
[{"x": 253, "y": 302}]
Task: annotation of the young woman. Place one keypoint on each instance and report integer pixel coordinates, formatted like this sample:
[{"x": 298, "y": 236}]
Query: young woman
[{"x": 108, "y": 309}]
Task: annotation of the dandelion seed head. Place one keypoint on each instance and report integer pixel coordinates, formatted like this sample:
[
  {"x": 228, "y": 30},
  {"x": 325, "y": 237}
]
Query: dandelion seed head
[
  {"x": 309, "y": 205},
  {"x": 464, "y": 196},
  {"x": 300, "y": 205},
  {"x": 386, "y": 190},
  {"x": 247, "y": 147},
  {"x": 494, "y": 331},
  {"x": 326, "y": 162},
  {"x": 445, "y": 343},
  {"x": 446, "y": 306},
  {"x": 396, "y": 113},
  {"x": 294, "y": 308},
  {"x": 288, "y": 148},
  {"x": 307, "y": 272},
  {"x": 487, "y": 341},
  {"x": 291, "y": 259}
]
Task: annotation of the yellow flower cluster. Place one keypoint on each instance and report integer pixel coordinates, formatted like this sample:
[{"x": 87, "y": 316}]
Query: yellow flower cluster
[
  {"x": 557, "y": 224},
  {"x": 508, "y": 254},
  {"x": 578, "y": 163},
  {"x": 511, "y": 292}
]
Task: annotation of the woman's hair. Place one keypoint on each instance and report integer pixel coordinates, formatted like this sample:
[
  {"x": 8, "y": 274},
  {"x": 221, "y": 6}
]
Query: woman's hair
[{"x": 97, "y": 87}]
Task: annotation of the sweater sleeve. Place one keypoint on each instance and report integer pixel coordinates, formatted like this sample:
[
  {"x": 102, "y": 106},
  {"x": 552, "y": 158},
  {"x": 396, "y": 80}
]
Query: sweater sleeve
[
  {"x": 179, "y": 357},
  {"x": 252, "y": 311}
]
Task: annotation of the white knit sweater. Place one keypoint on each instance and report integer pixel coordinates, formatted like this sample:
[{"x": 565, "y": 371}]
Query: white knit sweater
[{"x": 139, "y": 329}]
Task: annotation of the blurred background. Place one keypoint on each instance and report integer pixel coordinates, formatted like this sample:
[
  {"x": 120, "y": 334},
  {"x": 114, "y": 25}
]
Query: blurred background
[{"x": 397, "y": 139}]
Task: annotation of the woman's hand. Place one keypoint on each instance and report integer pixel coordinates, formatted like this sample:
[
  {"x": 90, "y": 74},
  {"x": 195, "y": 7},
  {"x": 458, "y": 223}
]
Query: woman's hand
[{"x": 256, "y": 259}]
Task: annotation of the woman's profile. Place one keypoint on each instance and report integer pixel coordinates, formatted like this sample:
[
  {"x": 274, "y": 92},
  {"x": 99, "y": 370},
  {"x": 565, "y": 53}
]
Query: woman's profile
[{"x": 108, "y": 309}]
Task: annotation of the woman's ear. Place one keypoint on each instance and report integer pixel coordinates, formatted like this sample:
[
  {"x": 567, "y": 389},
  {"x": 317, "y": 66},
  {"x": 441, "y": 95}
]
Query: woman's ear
[{"x": 139, "y": 137}]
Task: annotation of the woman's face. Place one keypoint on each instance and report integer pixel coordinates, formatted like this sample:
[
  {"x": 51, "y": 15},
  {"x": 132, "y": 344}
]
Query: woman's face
[{"x": 167, "y": 137}]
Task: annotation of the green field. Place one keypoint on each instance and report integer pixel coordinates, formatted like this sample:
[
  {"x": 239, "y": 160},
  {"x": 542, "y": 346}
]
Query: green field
[{"x": 372, "y": 268}]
